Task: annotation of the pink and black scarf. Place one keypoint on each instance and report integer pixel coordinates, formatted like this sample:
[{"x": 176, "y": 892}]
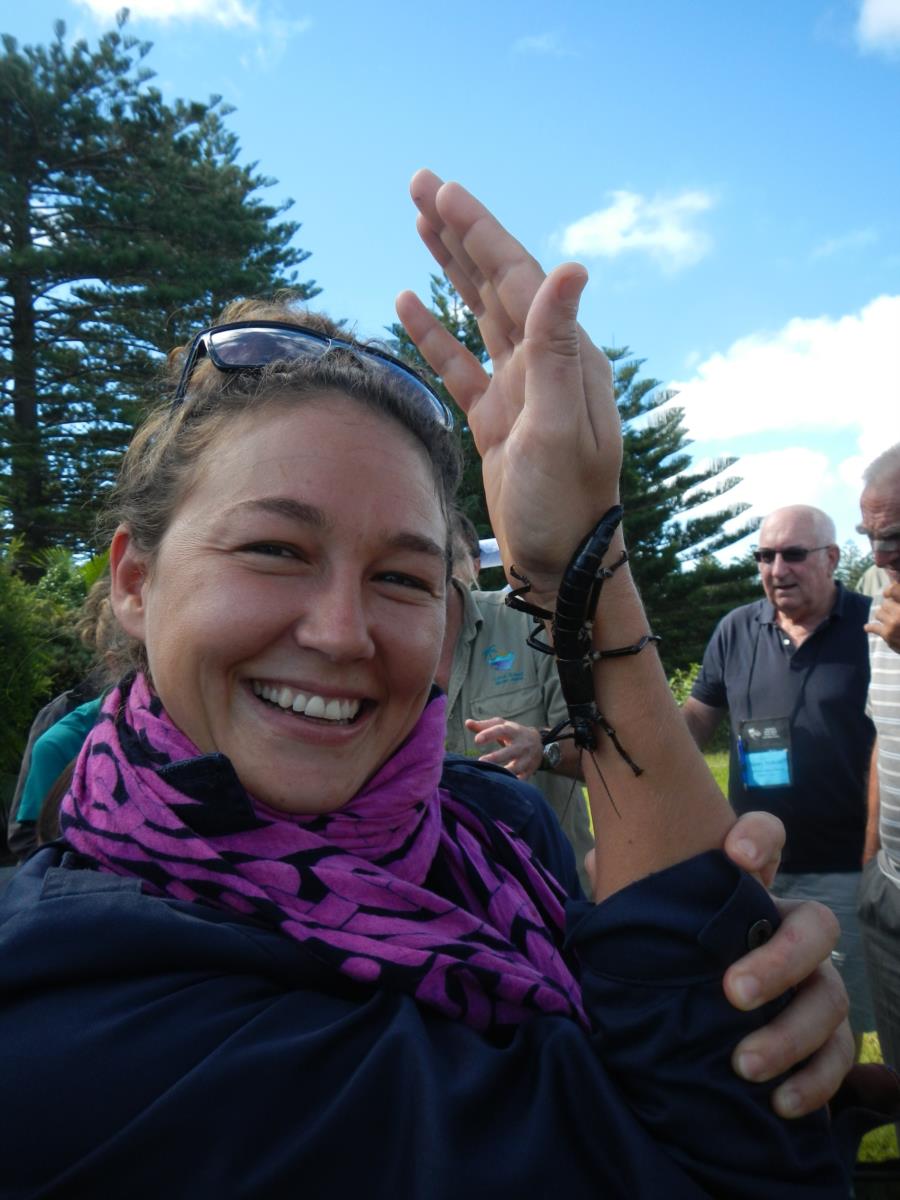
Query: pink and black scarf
[{"x": 353, "y": 888}]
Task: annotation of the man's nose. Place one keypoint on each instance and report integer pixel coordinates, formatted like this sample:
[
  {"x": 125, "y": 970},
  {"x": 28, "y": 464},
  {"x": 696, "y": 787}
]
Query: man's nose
[{"x": 780, "y": 563}]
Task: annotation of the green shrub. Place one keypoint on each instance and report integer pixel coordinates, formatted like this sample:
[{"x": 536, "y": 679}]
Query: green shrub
[
  {"x": 60, "y": 593},
  {"x": 27, "y": 662},
  {"x": 42, "y": 654},
  {"x": 682, "y": 680}
]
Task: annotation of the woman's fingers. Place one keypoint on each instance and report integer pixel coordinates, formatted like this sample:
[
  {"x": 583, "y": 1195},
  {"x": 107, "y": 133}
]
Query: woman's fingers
[
  {"x": 448, "y": 251},
  {"x": 754, "y": 843},
  {"x": 812, "y": 1027},
  {"x": 462, "y": 280},
  {"x": 814, "y": 1021},
  {"x": 492, "y": 271},
  {"x": 816, "y": 1083},
  {"x": 808, "y": 933},
  {"x": 508, "y": 291},
  {"x": 555, "y": 369},
  {"x": 462, "y": 373},
  {"x": 506, "y": 274}
]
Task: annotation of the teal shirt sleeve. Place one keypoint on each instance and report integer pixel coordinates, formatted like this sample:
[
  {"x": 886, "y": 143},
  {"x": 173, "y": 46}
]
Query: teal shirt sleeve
[{"x": 53, "y": 751}]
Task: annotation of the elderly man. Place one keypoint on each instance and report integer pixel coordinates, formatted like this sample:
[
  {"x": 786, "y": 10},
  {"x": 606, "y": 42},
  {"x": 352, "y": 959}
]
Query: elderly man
[
  {"x": 880, "y": 892},
  {"x": 792, "y": 671}
]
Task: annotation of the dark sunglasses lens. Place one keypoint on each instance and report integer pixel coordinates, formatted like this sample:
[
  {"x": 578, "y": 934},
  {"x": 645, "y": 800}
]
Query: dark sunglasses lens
[
  {"x": 256, "y": 347},
  {"x": 793, "y": 554}
]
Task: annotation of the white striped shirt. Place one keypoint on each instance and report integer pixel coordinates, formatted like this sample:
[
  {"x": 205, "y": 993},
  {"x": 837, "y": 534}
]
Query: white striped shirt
[{"x": 884, "y": 708}]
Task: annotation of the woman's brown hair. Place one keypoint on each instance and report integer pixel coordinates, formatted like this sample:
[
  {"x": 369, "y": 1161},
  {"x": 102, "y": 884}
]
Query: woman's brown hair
[{"x": 166, "y": 453}]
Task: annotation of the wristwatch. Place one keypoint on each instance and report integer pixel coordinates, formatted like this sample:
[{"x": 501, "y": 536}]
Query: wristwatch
[{"x": 551, "y": 757}]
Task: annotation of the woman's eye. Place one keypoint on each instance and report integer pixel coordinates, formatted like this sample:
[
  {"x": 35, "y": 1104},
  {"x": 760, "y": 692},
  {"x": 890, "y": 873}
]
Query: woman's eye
[
  {"x": 271, "y": 550},
  {"x": 410, "y": 581}
]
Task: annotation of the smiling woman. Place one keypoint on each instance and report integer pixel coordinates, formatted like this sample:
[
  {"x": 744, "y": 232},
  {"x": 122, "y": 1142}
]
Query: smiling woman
[
  {"x": 279, "y": 924},
  {"x": 324, "y": 597}
]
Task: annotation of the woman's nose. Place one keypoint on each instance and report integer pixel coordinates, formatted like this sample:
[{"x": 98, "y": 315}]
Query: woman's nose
[{"x": 335, "y": 623}]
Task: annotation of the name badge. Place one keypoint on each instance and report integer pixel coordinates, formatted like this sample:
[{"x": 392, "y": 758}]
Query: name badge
[{"x": 764, "y": 752}]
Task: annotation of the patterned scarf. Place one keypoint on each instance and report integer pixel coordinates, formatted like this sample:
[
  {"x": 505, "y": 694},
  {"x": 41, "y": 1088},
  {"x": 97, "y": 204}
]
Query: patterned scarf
[{"x": 350, "y": 887}]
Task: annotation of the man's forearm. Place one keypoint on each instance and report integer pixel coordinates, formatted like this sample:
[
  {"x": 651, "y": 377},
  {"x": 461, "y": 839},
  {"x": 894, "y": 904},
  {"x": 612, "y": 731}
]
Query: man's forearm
[{"x": 702, "y": 720}]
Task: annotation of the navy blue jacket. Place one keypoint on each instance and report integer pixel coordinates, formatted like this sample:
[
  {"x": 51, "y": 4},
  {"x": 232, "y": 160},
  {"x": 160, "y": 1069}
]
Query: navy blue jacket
[{"x": 154, "y": 1048}]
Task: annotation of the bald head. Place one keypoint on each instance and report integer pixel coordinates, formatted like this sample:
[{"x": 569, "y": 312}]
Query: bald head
[
  {"x": 805, "y": 520},
  {"x": 802, "y": 591}
]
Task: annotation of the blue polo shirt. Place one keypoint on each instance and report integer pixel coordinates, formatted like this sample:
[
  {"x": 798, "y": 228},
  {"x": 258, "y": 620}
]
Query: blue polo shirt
[{"x": 753, "y": 669}]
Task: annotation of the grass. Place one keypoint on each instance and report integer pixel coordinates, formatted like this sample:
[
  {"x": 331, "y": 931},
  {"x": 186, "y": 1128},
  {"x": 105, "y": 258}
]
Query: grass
[
  {"x": 879, "y": 1145},
  {"x": 718, "y": 764}
]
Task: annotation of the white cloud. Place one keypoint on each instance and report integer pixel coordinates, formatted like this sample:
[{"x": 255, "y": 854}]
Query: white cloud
[
  {"x": 775, "y": 478},
  {"x": 878, "y": 26},
  {"x": 541, "y": 43},
  {"x": 272, "y": 32},
  {"x": 661, "y": 226},
  {"x": 272, "y": 45},
  {"x": 228, "y": 13},
  {"x": 813, "y": 374},
  {"x": 793, "y": 474},
  {"x": 854, "y": 240},
  {"x": 838, "y": 377}
]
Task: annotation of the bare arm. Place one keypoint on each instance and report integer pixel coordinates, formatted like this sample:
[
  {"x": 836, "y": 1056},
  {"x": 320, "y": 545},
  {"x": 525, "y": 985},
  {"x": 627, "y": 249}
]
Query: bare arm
[
  {"x": 548, "y": 431},
  {"x": 675, "y": 808},
  {"x": 702, "y": 720}
]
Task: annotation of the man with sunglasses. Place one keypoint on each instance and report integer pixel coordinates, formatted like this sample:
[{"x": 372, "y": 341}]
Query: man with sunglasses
[
  {"x": 879, "y": 910},
  {"x": 792, "y": 672}
]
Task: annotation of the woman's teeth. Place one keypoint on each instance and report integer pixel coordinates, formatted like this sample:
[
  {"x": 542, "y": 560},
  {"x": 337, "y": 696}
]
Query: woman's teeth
[{"x": 309, "y": 705}]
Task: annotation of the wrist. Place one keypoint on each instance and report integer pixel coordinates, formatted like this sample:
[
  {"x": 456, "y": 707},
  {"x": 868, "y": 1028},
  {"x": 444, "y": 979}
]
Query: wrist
[{"x": 551, "y": 753}]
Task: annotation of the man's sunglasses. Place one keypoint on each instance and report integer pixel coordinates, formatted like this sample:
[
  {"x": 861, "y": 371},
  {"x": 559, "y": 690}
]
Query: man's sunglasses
[
  {"x": 252, "y": 345},
  {"x": 790, "y": 554},
  {"x": 881, "y": 545}
]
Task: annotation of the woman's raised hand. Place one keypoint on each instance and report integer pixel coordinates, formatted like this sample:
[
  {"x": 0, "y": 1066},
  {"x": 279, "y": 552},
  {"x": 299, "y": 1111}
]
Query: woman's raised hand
[{"x": 545, "y": 421}]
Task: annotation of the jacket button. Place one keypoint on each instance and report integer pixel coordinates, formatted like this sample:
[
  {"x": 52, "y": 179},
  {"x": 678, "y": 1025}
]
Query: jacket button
[{"x": 758, "y": 934}]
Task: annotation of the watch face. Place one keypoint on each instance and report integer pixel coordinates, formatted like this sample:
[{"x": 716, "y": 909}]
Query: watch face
[{"x": 552, "y": 755}]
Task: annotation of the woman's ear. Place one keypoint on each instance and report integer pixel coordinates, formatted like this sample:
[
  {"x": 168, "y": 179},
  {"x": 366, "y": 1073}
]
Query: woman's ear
[{"x": 128, "y": 571}]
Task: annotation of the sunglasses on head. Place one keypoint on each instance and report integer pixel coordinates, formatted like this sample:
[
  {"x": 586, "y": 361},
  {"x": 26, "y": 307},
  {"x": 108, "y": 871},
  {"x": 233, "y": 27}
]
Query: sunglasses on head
[
  {"x": 252, "y": 345},
  {"x": 790, "y": 554}
]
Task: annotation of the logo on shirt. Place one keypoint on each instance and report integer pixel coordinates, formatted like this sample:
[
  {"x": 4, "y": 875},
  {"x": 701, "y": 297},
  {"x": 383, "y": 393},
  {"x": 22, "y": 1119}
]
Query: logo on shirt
[{"x": 497, "y": 661}]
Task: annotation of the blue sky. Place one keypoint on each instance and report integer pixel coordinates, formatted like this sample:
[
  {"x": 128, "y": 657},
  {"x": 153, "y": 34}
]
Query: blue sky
[{"x": 729, "y": 174}]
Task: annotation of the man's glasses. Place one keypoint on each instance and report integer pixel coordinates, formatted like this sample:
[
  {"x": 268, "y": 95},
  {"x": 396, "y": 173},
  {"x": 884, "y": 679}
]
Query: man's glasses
[
  {"x": 881, "y": 545},
  {"x": 790, "y": 554},
  {"x": 252, "y": 345}
]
